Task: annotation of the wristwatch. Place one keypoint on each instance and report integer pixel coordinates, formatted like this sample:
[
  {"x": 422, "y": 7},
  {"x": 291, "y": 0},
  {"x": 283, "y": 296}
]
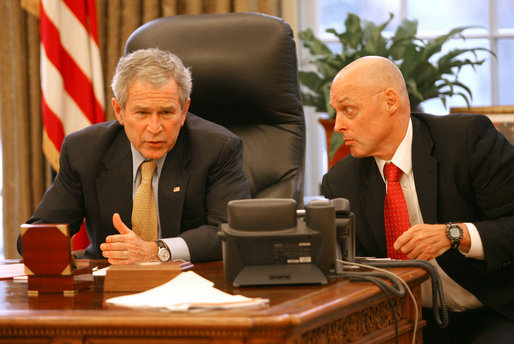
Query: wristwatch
[
  {"x": 454, "y": 233},
  {"x": 164, "y": 254}
]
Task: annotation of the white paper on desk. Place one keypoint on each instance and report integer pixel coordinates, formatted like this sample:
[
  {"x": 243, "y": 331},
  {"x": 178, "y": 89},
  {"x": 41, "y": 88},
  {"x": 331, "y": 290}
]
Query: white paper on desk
[
  {"x": 100, "y": 272},
  {"x": 186, "y": 292},
  {"x": 12, "y": 270}
]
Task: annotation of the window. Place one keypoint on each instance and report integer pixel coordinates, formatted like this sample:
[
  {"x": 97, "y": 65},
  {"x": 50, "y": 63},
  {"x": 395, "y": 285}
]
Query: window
[{"x": 493, "y": 28}]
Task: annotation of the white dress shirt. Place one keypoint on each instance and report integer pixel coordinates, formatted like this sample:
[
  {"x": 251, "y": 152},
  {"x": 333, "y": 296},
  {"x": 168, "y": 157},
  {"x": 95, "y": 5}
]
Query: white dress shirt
[
  {"x": 177, "y": 245},
  {"x": 457, "y": 298}
]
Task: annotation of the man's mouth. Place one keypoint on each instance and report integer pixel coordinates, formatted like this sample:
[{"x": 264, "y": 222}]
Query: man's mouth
[{"x": 154, "y": 143}]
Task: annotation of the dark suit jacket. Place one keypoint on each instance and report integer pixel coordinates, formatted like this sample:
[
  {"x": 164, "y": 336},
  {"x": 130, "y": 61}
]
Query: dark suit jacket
[
  {"x": 95, "y": 181},
  {"x": 464, "y": 172}
]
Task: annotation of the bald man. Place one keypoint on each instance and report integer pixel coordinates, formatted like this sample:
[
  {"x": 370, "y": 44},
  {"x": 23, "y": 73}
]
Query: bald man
[{"x": 458, "y": 182}]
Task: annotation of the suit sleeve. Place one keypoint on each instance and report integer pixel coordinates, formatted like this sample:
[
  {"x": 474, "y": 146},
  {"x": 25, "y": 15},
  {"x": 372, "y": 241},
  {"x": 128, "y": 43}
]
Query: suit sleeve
[
  {"x": 225, "y": 182},
  {"x": 325, "y": 188},
  {"x": 491, "y": 159}
]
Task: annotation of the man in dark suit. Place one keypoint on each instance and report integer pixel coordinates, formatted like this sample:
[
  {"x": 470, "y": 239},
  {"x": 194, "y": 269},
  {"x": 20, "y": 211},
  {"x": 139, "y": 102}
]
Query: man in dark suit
[
  {"x": 198, "y": 169},
  {"x": 458, "y": 183}
]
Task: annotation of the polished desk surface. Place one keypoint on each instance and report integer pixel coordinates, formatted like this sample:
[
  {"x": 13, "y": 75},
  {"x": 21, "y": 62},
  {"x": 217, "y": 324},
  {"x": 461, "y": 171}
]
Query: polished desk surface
[{"x": 342, "y": 311}]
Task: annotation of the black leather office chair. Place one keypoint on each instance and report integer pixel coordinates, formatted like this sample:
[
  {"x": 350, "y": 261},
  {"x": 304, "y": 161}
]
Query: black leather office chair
[{"x": 245, "y": 77}]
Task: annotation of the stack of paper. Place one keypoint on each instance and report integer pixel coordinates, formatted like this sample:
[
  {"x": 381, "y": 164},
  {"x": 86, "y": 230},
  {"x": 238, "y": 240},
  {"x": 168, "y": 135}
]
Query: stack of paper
[
  {"x": 12, "y": 270},
  {"x": 186, "y": 292}
]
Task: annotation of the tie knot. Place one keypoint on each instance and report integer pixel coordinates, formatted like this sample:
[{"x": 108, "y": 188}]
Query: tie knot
[
  {"x": 147, "y": 169},
  {"x": 392, "y": 172}
]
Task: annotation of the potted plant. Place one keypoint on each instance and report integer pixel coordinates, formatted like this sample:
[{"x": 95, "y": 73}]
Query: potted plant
[{"x": 427, "y": 71}]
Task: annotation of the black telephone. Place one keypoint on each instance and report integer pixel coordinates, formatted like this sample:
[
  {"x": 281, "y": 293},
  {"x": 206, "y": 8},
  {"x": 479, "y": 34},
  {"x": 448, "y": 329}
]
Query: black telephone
[
  {"x": 270, "y": 242},
  {"x": 267, "y": 241}
]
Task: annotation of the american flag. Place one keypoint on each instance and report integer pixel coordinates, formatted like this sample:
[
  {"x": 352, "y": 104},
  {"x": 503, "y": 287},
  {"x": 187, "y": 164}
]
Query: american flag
[{"x": 71, "y": 75}]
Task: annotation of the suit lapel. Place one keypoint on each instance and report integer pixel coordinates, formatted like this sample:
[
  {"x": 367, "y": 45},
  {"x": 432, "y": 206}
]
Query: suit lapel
[
  {"x": 172, "y": 186},
  {"x": 373, "y": 201},
  {"x": 114, "y": 183},
  {"x": 425, "y": 171}
]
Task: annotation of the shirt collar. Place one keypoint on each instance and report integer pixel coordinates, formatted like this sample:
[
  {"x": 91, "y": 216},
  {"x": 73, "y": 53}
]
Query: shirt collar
[
  {"x": 138, "y": 158},
  {"x": 403, "y": 155}
]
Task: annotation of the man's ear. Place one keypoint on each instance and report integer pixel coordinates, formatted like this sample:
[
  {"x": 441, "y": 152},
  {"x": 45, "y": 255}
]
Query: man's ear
[
  {"x": 392, "y": 100},
  {"x": 118, "y": 111},
  {"x": 184, "y": 112}
]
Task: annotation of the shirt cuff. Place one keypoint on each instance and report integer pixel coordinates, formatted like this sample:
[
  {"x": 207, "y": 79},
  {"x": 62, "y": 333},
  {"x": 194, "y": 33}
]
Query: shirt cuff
[
  {"x": 178, "y": 249},
  {"x": 476, "y": 249}
]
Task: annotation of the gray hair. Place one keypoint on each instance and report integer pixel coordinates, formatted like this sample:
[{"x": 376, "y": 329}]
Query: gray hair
[{"x": 153, "y": 67}]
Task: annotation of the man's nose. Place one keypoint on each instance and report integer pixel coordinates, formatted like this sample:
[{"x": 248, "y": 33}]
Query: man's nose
[
  {"x": 341, "y": 124},
  {"x": 154, "y": 123}
]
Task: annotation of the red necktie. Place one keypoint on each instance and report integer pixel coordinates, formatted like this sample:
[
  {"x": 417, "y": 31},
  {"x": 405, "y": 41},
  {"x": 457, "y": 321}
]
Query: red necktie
[{"x": 396, "y": 216}]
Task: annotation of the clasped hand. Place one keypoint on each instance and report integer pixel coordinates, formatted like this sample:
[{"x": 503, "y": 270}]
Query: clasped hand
[{"x": 127, "y": 247}]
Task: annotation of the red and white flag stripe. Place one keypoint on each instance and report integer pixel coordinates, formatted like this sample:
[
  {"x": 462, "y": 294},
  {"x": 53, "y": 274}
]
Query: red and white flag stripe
[
  {"x": 71, "y": 72},
  {"x": 71, "y": 76}
]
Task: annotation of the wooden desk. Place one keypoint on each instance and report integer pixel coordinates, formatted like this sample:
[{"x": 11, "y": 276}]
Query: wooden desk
[{"x": 340, "y": 312}]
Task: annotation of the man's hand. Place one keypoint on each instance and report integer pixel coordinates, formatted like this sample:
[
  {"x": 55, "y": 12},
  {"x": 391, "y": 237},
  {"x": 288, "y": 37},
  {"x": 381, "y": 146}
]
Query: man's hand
[
  {"x": 427, "y": 242},
  {"x": 127, "y": 247}
]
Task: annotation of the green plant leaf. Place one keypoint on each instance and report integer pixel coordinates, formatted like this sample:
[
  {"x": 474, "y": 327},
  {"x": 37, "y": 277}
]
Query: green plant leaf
[
  {"x": 310, "y": 79},
  {"x": 404, "y": 36},
  {"x": 352, "y": 37},
  {"x": 460, "y": 84},
  {"x": 434, "y": 46},
  {"x": 315, "y": 46},
  {"x": 413, "y": 91},
  {"x": 326, "y": 95},
  {"x": 336, "y": 141}
]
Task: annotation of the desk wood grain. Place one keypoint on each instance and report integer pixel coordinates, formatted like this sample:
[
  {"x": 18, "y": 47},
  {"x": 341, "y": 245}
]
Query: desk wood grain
[{"x": 340, "y": 312}]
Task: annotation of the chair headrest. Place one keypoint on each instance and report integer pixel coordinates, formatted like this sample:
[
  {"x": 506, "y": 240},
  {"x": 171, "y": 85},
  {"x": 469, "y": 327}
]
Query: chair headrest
[{"x": 244, "y": 65}]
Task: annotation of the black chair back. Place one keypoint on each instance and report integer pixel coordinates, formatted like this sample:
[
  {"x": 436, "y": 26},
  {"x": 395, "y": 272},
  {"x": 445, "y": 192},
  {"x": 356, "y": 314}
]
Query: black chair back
[{"x": 245, "y": 77}]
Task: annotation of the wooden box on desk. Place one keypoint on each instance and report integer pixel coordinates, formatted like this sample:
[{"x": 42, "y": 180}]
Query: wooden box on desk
[
  {"x": 49, "y": 264},
  {"x": 142, "y": 276}
]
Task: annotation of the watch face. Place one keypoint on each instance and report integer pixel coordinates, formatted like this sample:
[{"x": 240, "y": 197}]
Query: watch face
[
  {"x": 163, "y": 254},
  {"x": 454, "y": 232}
]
